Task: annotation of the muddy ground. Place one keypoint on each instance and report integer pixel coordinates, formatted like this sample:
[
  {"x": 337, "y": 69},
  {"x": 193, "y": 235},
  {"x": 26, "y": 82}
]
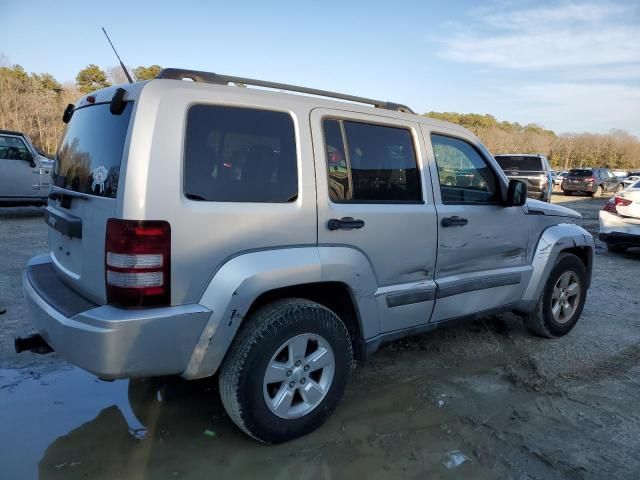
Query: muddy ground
[{"x": 509, "y": 404}]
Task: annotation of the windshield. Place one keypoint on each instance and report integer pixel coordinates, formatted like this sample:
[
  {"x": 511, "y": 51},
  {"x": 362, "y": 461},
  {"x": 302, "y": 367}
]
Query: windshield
[
  {"x": 89, "y": 156},
  {"x": 580, "y": 173},
  {"x": 507, "y": 162}
]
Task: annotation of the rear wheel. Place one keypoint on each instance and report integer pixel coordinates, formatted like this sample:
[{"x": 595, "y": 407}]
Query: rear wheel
[
  {"x": 286, "y": 370},
  {"x": 598, "y": 192},
  {"x": 567, "y": 193},
  {"x": 562, "y": 299}
]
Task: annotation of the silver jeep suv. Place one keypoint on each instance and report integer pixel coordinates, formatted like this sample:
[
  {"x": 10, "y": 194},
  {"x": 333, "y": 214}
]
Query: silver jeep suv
[{"x": 198, "y": 227}]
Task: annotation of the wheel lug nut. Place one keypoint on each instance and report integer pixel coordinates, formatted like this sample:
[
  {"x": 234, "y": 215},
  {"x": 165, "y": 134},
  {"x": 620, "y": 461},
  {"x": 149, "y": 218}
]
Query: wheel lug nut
[
  {"x": 289, "y": 373},
  {"x": 302, "y": 381},
  {"x": 292, "y": 384},
  {"x": 306, "y": 368},
  {"x": 298, "y": 363}
]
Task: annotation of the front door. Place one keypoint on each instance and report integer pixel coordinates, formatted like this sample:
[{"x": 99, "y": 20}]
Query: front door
[
  {"x": 17, "y": 177},
  {"x": 372, "y": 197},
  {"x": 482, "y": 245}
]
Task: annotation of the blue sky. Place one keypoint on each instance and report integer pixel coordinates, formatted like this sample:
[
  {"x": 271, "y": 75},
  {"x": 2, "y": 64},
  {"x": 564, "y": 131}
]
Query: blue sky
[{"x": 571, "y": 66}]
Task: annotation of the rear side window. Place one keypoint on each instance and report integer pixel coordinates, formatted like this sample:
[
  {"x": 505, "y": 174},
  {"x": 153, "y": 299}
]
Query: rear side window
[
  {"x": 89, "y": 156},
  {"x": 520, "y": 163},
  {"x": 370, "y": 163},
  {"x": 237, "y": 154}
]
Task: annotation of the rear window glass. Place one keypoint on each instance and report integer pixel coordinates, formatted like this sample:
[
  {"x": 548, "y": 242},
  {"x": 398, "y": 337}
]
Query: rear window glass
[
  {"x": 237, "y": 154},
  {"x": 89, "y": 156},
  {"x": 580, "y": 173},
  {"x": 507, "y": 162}
]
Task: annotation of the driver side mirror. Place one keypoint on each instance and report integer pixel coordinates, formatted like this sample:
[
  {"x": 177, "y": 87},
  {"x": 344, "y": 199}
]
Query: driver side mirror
[
  {"x": 516, "y": 194},
  {"x": 28, "y": 157}
]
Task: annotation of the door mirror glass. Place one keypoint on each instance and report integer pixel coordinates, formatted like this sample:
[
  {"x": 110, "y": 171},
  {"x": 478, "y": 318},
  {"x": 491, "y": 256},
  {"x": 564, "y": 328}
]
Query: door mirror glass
[{"x": 516, "y": 194}]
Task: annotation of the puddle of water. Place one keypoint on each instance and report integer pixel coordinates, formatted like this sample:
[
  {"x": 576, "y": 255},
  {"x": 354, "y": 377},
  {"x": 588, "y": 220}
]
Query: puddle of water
[
  {"x": 37, "y": 409},
  {"x": 67, "y": 425}
]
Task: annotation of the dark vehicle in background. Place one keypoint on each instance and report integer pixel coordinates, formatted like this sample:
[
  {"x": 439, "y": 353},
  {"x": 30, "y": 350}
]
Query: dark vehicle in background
[
  {"x": 534, "y": 170},
  {"x": 594, "y": 181}
]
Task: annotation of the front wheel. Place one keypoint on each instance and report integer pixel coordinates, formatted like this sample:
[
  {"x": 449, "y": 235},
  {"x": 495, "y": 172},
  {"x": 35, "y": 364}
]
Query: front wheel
[
  {"x": 286, "y": 370},
  {"x": 562, "y": 299}
]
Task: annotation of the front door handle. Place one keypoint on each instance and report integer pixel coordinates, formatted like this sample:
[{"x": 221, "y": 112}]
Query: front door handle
[
  {"x": 454, "y": 221},
  {"x": 345, "y": 223}
]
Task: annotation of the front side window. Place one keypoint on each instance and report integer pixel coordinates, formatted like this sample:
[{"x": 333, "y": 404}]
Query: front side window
[
  {"x": 465, "y": 176},
  {"x": 370, "y": 163},
  {"x": 13, "y": 148},
  {"x": 235, "y": 154}
]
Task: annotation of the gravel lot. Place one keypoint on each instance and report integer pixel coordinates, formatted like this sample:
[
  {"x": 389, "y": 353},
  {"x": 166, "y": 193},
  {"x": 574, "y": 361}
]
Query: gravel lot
[{"x": 509, "y": 404}]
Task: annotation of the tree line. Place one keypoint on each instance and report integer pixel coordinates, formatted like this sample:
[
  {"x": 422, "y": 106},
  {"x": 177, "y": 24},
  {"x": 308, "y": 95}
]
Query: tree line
[
  {"x": 617, "y": 149},
  {"x": 33, "y": 103}
]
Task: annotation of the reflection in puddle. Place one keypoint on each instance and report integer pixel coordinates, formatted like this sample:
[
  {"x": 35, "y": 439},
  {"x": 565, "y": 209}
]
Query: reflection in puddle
[{"x": 68, "y": 424}]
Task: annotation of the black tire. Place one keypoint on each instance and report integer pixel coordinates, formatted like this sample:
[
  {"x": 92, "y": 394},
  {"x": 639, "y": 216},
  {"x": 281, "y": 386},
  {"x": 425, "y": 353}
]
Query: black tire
[
  {"x": 616, "y": 248},
  {"x": 541, "y": 321},
  {"x": 242, "y": 372},
  {"x": 567, "y": 193},
  {"x": 598, "y": 192}
]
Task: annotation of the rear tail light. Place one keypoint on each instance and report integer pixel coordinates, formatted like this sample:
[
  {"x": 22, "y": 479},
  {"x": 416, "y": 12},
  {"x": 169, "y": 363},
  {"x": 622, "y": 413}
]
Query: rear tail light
[
  {"x": 610, "y": 205},
  {"x": 544, "y": 181},
  {"x": 137, "y": 262}
]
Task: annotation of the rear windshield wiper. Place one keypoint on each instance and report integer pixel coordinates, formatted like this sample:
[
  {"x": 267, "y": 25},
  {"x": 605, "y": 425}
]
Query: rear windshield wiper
[{"x": 57, "y": 193}]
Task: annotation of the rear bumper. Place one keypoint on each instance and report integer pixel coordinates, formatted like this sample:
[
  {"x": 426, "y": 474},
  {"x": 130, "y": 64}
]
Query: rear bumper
[
  {"x": 618, "y": 230},
  {"x": 620, "y": 239},
  {"x": 578, "y": 188},
  {"x": 108, "y": 341}
]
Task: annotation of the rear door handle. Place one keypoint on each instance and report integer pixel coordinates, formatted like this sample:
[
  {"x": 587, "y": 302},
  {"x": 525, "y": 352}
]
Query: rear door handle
[
  {"x": 454, "y": 221},
  {"x": 345, "y": 223}
]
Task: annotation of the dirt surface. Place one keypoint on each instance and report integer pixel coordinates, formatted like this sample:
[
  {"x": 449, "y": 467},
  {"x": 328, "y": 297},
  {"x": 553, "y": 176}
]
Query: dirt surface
[{"x": 505, "y": 403}]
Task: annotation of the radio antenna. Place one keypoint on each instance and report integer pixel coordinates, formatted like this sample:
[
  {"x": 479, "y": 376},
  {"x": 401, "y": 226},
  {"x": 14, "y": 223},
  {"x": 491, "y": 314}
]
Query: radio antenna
[{"x": 114, "y": 51}]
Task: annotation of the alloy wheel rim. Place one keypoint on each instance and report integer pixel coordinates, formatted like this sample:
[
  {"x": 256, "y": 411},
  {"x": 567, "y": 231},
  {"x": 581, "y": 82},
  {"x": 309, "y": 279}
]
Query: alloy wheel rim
[
  {"x": 298, "y": 376},
  {"x": 565, "y": 297}
]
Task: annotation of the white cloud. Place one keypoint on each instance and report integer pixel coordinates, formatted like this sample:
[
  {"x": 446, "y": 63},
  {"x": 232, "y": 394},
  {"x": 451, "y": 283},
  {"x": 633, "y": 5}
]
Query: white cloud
[
  {"x": 565, "y": 35},
  {"x": 572, "y": 66}
]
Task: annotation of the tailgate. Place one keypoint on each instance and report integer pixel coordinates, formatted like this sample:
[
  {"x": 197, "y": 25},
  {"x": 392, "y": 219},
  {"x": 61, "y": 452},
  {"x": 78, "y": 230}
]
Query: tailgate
[{"x": 86, "y": 180}]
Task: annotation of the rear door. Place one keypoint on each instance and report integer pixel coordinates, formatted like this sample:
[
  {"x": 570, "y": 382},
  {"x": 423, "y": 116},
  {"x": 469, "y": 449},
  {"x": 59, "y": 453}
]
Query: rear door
[
  {"x": 86, "y": 178},
  {"x": 482, "y": 245},
  {"x": 373, "y": 198},
  {"x": 18, "y": 178}
]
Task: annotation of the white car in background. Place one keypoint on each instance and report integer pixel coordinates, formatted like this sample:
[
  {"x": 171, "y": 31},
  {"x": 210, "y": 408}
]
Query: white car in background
[
  {"x": 557, "y": 180},
  {"x": 627, "y": 182},
  {"x": 620, "y": 220}
]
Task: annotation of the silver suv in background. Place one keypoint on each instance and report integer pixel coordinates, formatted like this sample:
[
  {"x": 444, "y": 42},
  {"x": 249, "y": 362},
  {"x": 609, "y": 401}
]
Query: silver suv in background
[
  {"x": 197, "y": 227},
  {"x": 532, "y": 169},
  {"x": 25, "y": 173}
]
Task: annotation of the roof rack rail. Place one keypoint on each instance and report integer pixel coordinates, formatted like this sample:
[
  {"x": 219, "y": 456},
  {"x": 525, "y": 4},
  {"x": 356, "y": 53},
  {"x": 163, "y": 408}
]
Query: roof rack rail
[{"x": 210, "y": 77}]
